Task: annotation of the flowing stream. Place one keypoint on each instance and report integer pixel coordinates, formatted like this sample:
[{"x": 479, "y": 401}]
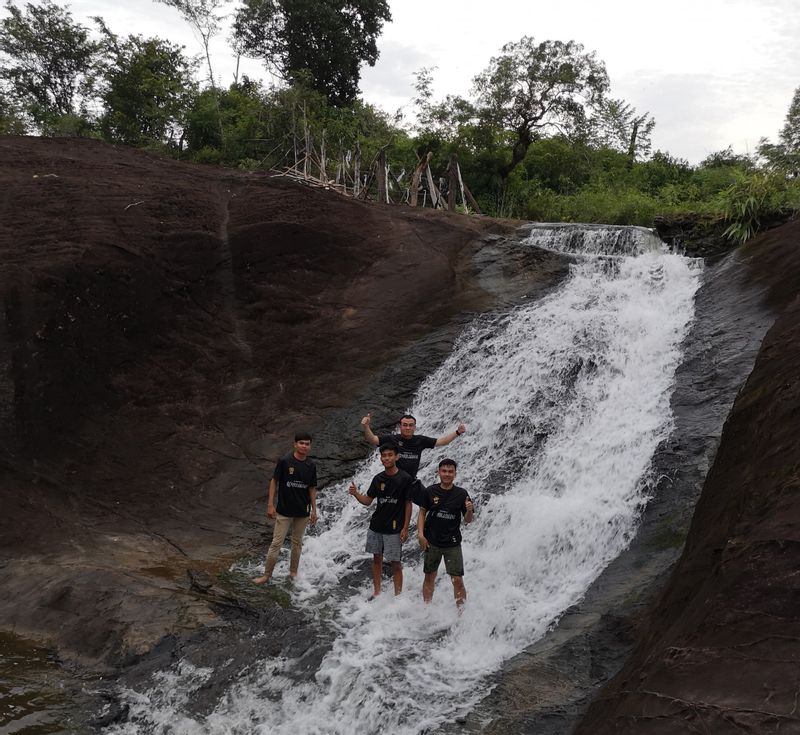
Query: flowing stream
[{"x": 566, "y": 400}]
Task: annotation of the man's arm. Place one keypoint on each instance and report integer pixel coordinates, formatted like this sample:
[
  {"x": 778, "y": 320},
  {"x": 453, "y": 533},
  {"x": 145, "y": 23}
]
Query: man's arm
[
  {"x": 423, "y": 542},
  {"x": 369, "y": 435},
  {"x": 406, "y": 522},
  {"x": 470, "y": 512},
  {"x": 312, "y": 492},
  {"x": 363, "y": 499},
  {"x": 271, "y": 499},
  {"x": 447, "y": 438}
]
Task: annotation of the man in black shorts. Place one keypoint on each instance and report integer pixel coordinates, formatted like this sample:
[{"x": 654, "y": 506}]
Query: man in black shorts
[
  {"x": 439, "y": 530},
  {"x": 411, "y": 445},
  {"x": 294, "y": 482},
  {"x": 388, "y": 527}
]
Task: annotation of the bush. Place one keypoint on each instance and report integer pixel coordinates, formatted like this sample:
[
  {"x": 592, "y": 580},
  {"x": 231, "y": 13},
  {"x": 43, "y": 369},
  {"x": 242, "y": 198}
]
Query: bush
[{"x": 753, "y": 200}]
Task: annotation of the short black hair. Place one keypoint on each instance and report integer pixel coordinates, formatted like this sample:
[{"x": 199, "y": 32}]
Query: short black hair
[
  {"x": 301, "y": 436},
  {"x": 389, "y": 447},
  {"x": 408, "y": 416},
  {"x": 446, "y": 461}
]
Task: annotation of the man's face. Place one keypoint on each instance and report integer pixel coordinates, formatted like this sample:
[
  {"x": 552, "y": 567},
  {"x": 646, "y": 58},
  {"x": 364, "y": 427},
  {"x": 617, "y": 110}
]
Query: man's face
[
  {"x": 407, "y": 428},
  {"x": 447, "y": 475},
  {"x": 388, "y": 458},
  {"x": 302, "y": 447}
]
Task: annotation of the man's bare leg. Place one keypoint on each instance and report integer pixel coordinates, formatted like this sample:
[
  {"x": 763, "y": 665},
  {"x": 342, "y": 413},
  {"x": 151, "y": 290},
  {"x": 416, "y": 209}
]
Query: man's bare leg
[
  {"x": 397, "y": 577},
  {"x": 459, "y": 591},
  {"x": 427, "y": 586},
  {"x": 377, "y": 568}
]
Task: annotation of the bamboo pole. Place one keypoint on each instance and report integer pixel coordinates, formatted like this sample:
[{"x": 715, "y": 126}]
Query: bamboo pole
[
  {"x": 452, "y": 182},
  {"x": 416, "y": 176}
]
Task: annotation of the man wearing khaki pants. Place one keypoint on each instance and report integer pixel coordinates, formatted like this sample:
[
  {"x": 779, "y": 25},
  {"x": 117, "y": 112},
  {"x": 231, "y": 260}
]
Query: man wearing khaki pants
[{"x": 295, "y": 484}]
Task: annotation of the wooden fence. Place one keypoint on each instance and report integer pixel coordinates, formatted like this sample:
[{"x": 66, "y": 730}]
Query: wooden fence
[{"x": 306, "y": 162}]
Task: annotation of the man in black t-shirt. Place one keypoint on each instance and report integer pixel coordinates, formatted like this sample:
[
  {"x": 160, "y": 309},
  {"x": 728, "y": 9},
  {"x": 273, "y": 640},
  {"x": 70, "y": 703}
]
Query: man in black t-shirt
[
  {"x": 411, "y": 445},
  {"x": 388, "y": 527},
  {"x": 439, "y": 530},
  {"x": 294, "y": 483}
]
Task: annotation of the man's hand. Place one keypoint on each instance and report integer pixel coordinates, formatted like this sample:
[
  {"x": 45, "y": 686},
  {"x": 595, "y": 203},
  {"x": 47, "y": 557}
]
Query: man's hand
[
  {"x": 271, "y": 512},
  {"x": 313, "y": 518},
  {"x": 353, "y": 489},
  {"x": 365, "y": 421},
  {"x": 461, "y": 429},
  {"x": 423, "y": 542},
  {"x": 403, "y": 534},
  {"x": 468, "y": 505}
]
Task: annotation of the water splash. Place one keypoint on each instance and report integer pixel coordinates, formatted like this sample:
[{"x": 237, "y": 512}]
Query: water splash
[{"x": 565, "y": 401}]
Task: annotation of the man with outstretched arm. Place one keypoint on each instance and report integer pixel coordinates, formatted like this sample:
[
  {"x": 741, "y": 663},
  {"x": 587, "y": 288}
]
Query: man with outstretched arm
[
  {"x": 439, "y": 530},
  {"x": 411, "y": 445},
  {"x": 294, "y": 483},
  {"x": 388, "y": 527}
]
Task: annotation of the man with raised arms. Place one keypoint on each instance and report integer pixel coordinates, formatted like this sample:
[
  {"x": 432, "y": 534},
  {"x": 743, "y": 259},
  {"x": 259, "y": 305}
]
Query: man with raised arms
[
  {"x": 388, "y": 527},
  {"x": 411, "y": 445},
  {"x": 294, "y": 483},
  {"x": 439, "y": 530}
]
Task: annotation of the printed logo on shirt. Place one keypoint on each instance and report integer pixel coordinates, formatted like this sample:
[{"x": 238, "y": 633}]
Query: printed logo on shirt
[
  {"x": 383, "y": 485},
  {"x": 291, "y": 470},
  {"x": 436, "y": 500}
]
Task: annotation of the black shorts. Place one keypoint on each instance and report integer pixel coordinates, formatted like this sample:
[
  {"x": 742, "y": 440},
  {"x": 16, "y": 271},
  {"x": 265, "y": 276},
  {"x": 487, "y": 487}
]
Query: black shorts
[{"x": 453, "y": 560}]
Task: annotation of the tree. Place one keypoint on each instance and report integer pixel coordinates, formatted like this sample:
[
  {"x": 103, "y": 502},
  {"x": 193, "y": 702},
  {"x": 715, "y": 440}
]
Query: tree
[
  {"x": 48, "y": 63},
  {"x": 785, "y": 155},
  {"x": 148, "y": 85},
  {"x": 532, "y": 87},
  {"x": 319, "y": 42},
  {"x": 617, "y": 126},
  {"x": 11, "y": 122},
  {"x": 205, "y": 18},
  {"x": 727, "y": 159}
]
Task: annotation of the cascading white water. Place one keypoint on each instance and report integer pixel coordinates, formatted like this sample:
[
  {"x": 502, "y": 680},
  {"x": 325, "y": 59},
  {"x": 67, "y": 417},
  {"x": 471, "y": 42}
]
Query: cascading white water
[{"x": 565, "y": 400}]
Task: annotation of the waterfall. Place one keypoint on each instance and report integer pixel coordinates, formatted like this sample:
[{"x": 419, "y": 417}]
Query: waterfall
[{"x": 566, "y": 400}]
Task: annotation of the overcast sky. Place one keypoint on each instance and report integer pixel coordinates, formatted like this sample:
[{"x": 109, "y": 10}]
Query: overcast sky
[{"x": 713, "y": 73}]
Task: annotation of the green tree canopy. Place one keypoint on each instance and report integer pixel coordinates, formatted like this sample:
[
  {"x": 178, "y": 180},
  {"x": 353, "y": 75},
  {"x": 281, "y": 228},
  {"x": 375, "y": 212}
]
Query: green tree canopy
[
  {"x": 48, "y": 62},
  {"x": 785, "y": 154},
  {"x": 322, "y": 43},
  {"x": 532, "y": 87},
  {"x": 146, "y": 90},
  {"x": 616, "y": 125}
]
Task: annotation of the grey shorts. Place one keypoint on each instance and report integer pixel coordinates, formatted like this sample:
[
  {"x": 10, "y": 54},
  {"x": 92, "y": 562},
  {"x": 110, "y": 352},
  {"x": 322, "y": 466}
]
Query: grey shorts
[
  {"x": 387, "y": 544},
  {"x": 453, "y": 560}
]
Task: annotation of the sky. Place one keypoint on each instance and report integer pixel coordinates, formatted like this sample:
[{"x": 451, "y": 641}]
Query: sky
[{"x": 713, "y": 73}]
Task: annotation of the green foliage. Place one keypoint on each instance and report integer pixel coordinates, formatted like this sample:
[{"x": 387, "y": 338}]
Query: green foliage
[
  {"x": 784, "y": 156},
  {"x": 532, "y": 88},
  {"x": 752, "y": 200},
  {"x": 146, "y": 91},
  {"x": 48, "y": 65},
  {"x": 320, "y": 43},
  {"x": 617, "y": 126},
  {"x": 11, "y": 121}
]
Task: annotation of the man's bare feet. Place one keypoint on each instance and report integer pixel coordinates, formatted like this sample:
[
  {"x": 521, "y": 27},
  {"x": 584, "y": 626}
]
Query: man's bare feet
[{"x": 260, "y": 580}]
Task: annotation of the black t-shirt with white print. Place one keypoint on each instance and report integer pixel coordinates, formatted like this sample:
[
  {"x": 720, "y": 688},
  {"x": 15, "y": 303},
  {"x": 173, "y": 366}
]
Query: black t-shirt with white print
[
  {"x": 294, "y": 478},
  {"x": 410, "y": 450},
  {"x": 390, "y": 493},
  {"x": 444, "y": 509}
]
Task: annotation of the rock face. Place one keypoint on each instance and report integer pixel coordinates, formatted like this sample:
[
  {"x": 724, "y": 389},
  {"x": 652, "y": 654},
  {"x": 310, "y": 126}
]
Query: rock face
[
  {"x": 166, "y": 327},
  {"x": 719, "y": 650}
]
